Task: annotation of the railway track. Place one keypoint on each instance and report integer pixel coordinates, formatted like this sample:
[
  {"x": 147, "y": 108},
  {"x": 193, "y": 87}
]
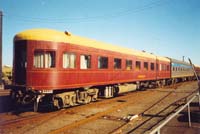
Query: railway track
[
  {"x": 148, "y": 115},
  {"x": 40, "y": 118},
  {"x": 153, "y": 115},
  {"x": 91, "y": 118},
  {"x": 106, "y": 110},
  {"x": 29, "y": 119},
  {"x": 104, "y": 114}
]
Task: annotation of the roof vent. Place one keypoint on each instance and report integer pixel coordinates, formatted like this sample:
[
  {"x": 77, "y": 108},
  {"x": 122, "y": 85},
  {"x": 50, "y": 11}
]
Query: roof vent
[{"x": 67, "y": 33}]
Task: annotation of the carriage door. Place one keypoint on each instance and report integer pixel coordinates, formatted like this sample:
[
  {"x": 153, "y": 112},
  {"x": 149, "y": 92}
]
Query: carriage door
[{"x": 20, "y": 62}]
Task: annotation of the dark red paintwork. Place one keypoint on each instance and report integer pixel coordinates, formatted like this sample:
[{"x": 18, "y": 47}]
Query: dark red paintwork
[{"x": 59, "y": 78}]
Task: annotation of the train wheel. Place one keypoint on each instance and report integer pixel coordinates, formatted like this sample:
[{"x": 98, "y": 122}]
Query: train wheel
[
  {"x": 15, "y": 99},
  {"x": 56, "y": 103},
  {"x": 94, "y": 98},
  {"x": 87, "y": 99},
  {"x": 138, "y": 85},
  {"x": 72, "y": 101},
  {"x": 15, "y": 96},
  {"x": 35, "y": 106},
  {"x": 36, "y": 103}
]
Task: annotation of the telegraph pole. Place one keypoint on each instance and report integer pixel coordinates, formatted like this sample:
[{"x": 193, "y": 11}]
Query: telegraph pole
[{"x": 1, "y": 29}]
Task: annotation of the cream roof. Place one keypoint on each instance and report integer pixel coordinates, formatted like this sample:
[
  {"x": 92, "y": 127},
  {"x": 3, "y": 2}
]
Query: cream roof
[
  {"x": 163, "y": 58},
  {"x": 57, "y": 36}
]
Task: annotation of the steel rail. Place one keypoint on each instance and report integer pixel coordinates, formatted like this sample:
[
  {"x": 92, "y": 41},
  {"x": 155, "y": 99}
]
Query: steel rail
[
  {"x": 141, "y": 114},
  {"x": 157, "y": 130},
  {"x": 160, "y": 112}
]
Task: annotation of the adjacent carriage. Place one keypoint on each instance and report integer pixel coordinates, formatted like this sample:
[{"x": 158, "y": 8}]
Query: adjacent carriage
[{"x": 181, "y": 71}]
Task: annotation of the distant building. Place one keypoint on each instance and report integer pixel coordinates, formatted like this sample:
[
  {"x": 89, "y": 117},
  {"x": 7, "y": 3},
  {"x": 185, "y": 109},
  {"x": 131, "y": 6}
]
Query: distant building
[{"x": 7, "y": 74}]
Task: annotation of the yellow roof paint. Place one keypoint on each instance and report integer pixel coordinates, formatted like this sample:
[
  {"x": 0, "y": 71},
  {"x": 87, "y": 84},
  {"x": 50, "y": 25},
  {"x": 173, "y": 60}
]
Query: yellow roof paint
[
  {"x": 163, "y": 58},
  {"x": 57, "y": 36},
  {"x": 41, "y": 34}
]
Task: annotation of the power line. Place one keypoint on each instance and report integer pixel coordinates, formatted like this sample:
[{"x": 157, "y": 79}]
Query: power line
[{"x": 87, "y": 19}]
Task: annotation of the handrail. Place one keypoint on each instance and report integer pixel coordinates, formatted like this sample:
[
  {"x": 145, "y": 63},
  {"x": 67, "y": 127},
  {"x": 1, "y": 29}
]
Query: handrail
[{"x": 157, "y": 129}]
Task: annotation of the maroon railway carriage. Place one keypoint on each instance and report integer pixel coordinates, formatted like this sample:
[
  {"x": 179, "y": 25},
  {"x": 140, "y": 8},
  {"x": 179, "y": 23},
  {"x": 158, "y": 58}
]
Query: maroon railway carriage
[{"x": 66, "y": 69}]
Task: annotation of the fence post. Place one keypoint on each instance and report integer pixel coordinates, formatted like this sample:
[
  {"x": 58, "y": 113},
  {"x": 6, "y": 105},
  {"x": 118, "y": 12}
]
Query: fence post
[
  {"x": 189, "y": 117},
  {"x": 158, "y": 132}
]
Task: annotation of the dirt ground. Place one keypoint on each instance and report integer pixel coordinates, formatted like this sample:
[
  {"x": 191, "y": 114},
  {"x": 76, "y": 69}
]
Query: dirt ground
[
  {"x": 82, "y": 120},
  {"x": 179, "y": 125}
]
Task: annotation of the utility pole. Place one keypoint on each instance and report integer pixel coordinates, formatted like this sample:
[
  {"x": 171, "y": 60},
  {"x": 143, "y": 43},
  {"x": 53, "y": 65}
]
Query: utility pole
[{"x": 1, "y": 29}]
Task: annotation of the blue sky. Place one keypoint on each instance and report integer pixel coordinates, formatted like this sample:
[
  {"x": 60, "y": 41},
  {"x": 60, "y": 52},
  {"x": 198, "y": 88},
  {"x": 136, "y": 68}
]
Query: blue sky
[{"x": 164, "y": 27}]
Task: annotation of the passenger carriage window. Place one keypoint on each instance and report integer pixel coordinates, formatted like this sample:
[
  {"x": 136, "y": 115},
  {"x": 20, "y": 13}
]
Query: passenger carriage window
[
  {"x": 102, "y": 62},
  {"x": 145, "y": 65},
  {"x": 167, "y": 67},
  {"x": 160, "y": 67},
  {"x": 69, "y": 60},
  {"x": 129, "y": 64},
  {"x": 157, "y": 67},
  {"x": 174, "y": 68},
  {"x": 44, "y": 59},
  {"x": 137, "y": 65},
  {"x": 117, "y": 63},
  {"x": 85, "y": 61},
  {"x": 164, "y": 67},
  {"x": 152, "y": 66}
]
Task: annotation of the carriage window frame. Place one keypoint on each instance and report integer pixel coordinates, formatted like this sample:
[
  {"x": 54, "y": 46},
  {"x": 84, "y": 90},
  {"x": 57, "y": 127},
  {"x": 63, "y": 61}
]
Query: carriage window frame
[
  {"x": 69, "y": 60},
  {"x": 157, "y": 67},
  {"x": 117, "y": 63},
  {"x": 174, "y": 68},
  {"x": 160, "y": 67},
  {"x": 168, "y": 68},
  {"x": 129, "y": 64},
  {"x": 44, "y": 59},
  {"x": 85, "y": 61},
  {"x": 102, "y": 62},
  {"x": 146, "y": 66},
  {"x": 137, "y": 65},
  {"x": 152, "y": 66}
]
